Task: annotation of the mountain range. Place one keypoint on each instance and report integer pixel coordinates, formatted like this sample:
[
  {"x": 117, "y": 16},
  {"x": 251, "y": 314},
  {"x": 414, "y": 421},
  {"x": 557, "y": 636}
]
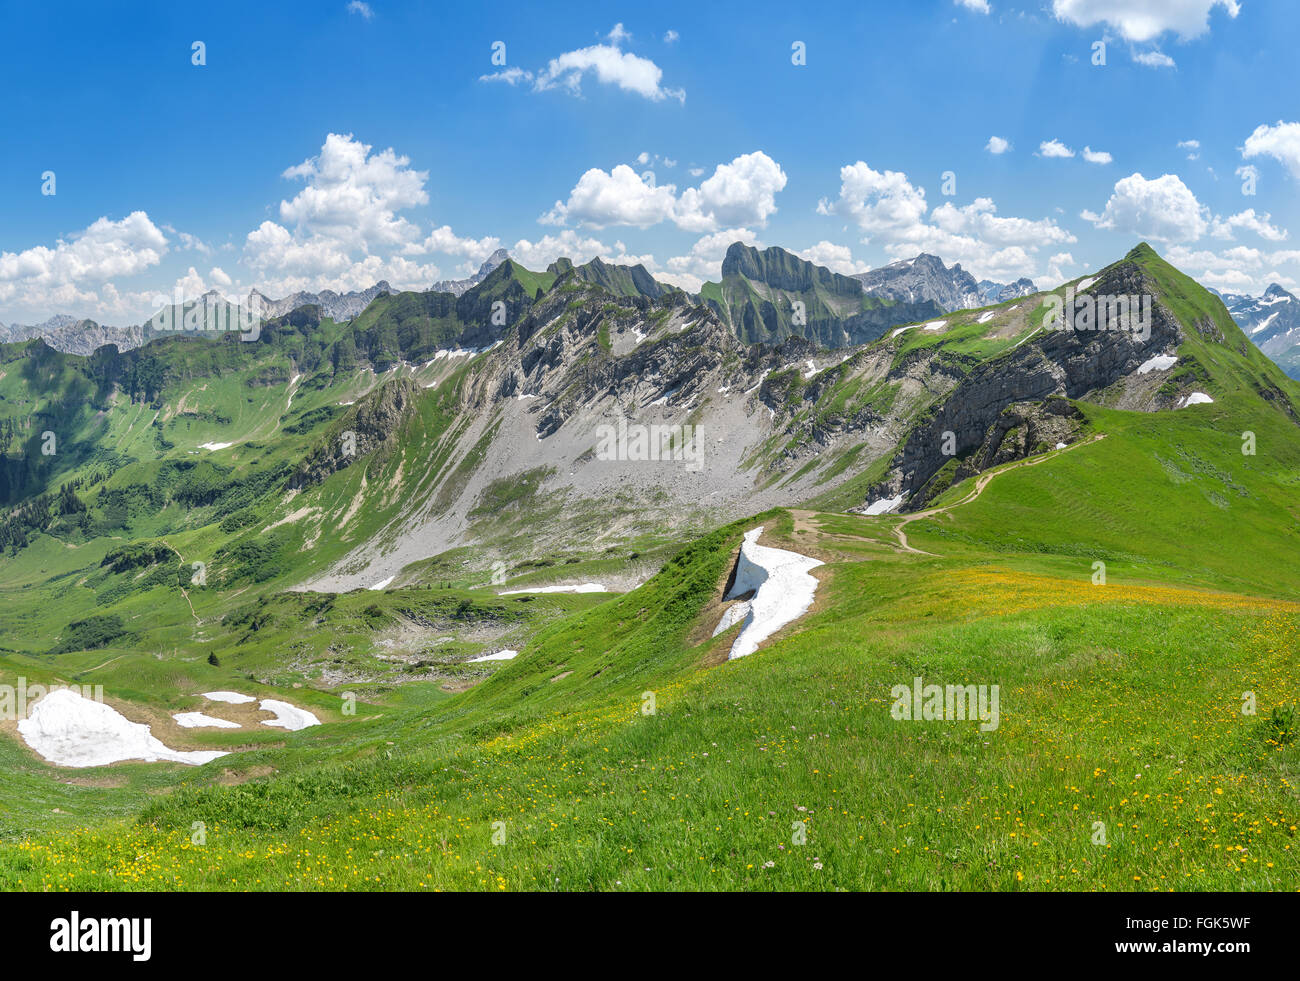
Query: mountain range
[{"x": 502, "y": 547}]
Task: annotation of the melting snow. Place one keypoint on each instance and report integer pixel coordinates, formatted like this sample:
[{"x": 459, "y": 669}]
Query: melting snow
[
  {"x": 986, "y": 317},
  {"x": 1196, "y": 398},
  {"x": 231, "y": 697},
  {"x": 586, "y": 587},
  {"x": 287, "y": 716},
  {"x": 1060, "y": 446},
  {"x": 383, "y": 583},
  {"x": 1084, "y": 284},
  {"x": 936, "y": 325},
  {"x": 901, "y": 329},
  {"x": 505, "y": 655},
  {"x": 214, "y": 446},
  {"x": 884, "y": 505},
  {"x": 197, "y": 720},
  {"x": 783, "y": 591},
  {"x": 1159, "y": 363},
  {"x": 1263, "y": 324},
  {"x": 65, "y": 728},
  {"x": 812, "y": 370}
]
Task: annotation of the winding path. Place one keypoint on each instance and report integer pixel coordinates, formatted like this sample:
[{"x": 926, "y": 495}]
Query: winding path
[{"x": 981, "y": 482}]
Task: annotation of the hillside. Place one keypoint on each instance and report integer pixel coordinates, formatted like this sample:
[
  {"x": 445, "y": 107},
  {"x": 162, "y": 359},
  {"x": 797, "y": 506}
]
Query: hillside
[{"x": 374, "y": 504}]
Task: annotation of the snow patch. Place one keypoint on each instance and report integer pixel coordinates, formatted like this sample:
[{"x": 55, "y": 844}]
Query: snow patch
[
  {"x": 383, "y": 583},
  {"x": 506, "y": 655},
  {"x": 287, "y": 716},
  {"x": 197, "y": 720},
  {"x": 782, "y": 586},
  {"x": 215, "y": 446},
  {"x": 884, "y": 505},
  {"x": 230, "y": 697},
  {"x": 1084, "y": 284},
  {"x": 1196, "y": 398},
  {"x": 1159, "y": 363},
  {"x": 586, "y": 587},
  {"x": 901, "y": 329},
  {"x": 67, "y": 729},
  {"x": 986, "y": 317},
  {"x": 936, "y": 325}
]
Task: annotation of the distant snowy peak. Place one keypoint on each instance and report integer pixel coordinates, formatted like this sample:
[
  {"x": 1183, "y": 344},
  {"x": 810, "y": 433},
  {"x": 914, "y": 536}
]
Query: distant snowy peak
[
  {"x": 1001, "y": 292},
  {"x": 924, "y": 278},
  {"x": 1271, "y": 321},
  {"x": 459, "y": 286}
]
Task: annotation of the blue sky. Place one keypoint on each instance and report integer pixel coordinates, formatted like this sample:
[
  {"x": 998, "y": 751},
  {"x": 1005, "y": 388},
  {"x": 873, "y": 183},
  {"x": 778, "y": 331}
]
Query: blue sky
[{"x": 331, "y": 144}]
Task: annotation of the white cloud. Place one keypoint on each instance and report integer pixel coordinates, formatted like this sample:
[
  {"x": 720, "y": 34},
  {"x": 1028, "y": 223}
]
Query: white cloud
[
  {"x": 1193, "y": 148},
  {"x": 996, "y": 145},
  {"x": 1240, "y": 269},
  {"x": 1096, "y": 156},
  {"x": 670, "y": 36},
  {"x": 1054, "y": 148},
  {"x": 737, "y": 193},
  {"x": 1154, "y": 59},
  {"x": 879, "y": 202},
  {"x": 979, "y": 6},
  {"x": 1145, "y": 20},
  {"x": 620, "y": 197},
  {"x": 890, "y": 210},
  {"x": 46, "y": 279},
  {"x": 360, "y": 7},
  {"x": 342, "y": 231},
  {"x": 511, "y": 76},
  {"x": 444, "y": 240},
  {"x": 618, "y": 35},
  {"x": 837, "y": 258},
  {"x": 1281, "y": 142},
  {"x": 352, "y": 195},
  {"x": 610, "y": 66},
  {"x": 1163, "y": 209},
  {"x": 1261, "y": 225}
]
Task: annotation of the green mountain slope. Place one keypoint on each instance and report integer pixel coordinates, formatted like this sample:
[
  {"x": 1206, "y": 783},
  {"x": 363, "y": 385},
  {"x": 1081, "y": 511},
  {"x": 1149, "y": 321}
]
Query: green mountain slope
[{"x": 1124, "y": 591}]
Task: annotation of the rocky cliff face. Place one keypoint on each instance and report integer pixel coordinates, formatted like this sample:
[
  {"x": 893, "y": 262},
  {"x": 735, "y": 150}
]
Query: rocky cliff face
[
  {"x": 924, "y": 278},
  {"x": 1069, "y": 362},
  {"x": 771, "y": 295},
  {"x": 367, "y": 430}
]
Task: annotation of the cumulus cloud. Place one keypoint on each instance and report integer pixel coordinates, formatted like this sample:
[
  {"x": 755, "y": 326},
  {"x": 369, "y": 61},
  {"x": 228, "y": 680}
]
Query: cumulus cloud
[
  {"x": 444, "y": 240},
  {"x": 1280, "y": 141},
  {"x": 1096, "y": 156},
  {"x": 1141, "y": 22},
  {"x": 893, "y": 212},
  {"x": 979, "y": 6},
  {"x": 737, "y": 193},
  {"x": 609, "y": 65},
  {"x": 670, "y": 36},
  {"x": 836, "y": 258},
  {"x": 1240, "y": 269},
  {"x": 996, "y": 145},
  {"x": 1163, "y": 209},
  {"x": 44, "y": 278},
  {"x": 342, "y": 231},
  {"x": 1262, "y": 225},
  {"x": 1054, "y": 148}
]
